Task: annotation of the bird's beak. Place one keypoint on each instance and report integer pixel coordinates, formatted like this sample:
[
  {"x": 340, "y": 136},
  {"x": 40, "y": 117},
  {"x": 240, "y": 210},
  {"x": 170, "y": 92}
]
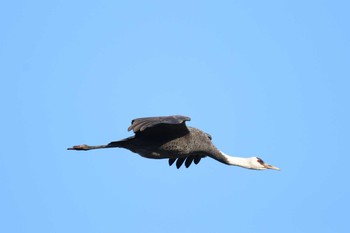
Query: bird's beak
[{"x": 268, "y": 166}]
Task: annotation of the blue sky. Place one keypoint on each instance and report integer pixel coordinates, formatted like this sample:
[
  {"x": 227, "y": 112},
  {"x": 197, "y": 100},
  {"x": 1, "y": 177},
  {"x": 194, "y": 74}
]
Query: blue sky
[{"x": 266, "y": 78}]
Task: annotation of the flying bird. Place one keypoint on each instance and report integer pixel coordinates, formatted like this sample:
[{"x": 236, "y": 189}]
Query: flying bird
[{"x": 168, "y": 137}]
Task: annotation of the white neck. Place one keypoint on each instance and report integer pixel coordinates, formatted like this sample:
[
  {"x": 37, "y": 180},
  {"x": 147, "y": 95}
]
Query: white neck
[{"x": 237, "y": 161}]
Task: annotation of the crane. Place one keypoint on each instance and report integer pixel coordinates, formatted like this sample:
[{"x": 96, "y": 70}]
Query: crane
[{"x": 168, "y": 137}]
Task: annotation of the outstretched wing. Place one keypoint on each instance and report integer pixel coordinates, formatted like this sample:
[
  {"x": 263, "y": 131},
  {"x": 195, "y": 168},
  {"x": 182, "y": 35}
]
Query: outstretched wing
[{"x": 171, "y": 126}]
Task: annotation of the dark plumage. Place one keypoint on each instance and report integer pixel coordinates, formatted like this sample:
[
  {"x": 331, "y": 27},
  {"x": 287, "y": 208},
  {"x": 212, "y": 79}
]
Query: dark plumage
[
  {"x": 168, "y": 137},
  {"x": 165, "y": 137}
]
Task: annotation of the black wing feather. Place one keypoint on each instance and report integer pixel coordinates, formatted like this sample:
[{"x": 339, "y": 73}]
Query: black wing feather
[
  {"x": 160, "y": 128},
  {"x": 171, "y": 161},
  {"x": 141, "y": 124},
  {"x": 179, "y": 162},
  {"x": 197, "y": 159},
  {"x": 189, "y": 161}
]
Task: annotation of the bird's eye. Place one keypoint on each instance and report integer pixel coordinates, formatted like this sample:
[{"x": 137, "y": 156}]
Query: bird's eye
[{"x": 260, "y": 161}]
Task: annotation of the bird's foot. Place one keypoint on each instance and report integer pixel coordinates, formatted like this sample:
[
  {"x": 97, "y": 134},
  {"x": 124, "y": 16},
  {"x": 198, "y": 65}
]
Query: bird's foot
[{"x": 79, "y": 147}]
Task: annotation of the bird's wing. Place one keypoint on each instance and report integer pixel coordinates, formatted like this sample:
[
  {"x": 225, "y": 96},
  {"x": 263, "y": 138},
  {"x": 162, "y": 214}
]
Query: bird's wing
[
  {"x": 189, "y": 160},
  {"x": 160, "y": 124}
]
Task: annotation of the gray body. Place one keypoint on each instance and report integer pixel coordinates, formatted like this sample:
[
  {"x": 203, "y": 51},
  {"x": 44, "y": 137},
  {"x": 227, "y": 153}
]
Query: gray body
[
  {"x": 195, "y": 142},
  {"x": 169, "y": 138}
]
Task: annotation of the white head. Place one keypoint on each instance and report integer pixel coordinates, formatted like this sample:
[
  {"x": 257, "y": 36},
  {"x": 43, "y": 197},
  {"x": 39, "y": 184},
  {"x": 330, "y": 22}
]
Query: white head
[
  {"x": 250, "y": 163},
  {"x": 258, "y": 164}
]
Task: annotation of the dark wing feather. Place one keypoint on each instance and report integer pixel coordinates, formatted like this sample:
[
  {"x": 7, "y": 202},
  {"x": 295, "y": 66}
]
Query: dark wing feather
[
  {"x": 179, "y": 162},
  {"x": 171, "y": 161},
  {"x": 140, "y": 124},
  {"x": 197, "y": 159},
  {"x": 154, "y": 127},
  {"x": 188, "y": 162}
]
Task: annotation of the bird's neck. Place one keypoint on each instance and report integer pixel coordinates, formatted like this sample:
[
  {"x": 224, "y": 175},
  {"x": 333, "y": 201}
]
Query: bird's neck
[{"x": 237, "y": 161}]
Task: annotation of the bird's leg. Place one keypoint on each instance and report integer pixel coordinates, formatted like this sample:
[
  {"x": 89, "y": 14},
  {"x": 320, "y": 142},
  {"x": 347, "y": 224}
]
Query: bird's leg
[{"x": 87, "y": 147}]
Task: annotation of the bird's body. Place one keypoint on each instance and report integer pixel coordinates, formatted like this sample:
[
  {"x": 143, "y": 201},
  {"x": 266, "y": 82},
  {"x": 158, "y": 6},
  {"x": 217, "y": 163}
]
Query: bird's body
[
  {"x": 192, "y": 146},
  {"x": 192, "y": 143},
  {"x": 169, "y": 138}
]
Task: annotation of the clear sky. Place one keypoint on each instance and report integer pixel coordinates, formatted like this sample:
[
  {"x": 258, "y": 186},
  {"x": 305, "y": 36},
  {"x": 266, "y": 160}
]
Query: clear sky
[{"x": 266, "y": 78}]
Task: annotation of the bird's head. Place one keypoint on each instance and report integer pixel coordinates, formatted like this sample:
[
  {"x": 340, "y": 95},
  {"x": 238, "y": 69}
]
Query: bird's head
[{"x": 259, "y": 164}]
